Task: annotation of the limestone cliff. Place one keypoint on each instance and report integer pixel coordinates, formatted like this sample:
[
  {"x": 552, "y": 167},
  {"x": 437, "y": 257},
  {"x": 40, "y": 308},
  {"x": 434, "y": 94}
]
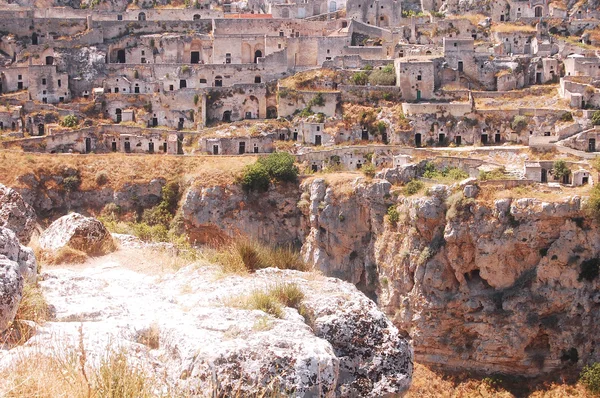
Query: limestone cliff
[{"x": 499, "y": 286}]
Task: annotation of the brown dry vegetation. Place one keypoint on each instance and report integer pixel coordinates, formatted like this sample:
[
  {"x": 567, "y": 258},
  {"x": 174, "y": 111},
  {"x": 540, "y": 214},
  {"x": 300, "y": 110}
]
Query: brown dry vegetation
[
  {"x": 512, "y": 27},
  {"x": 309, "y": 80},
  {"x": 121, "y": 168},
  {"x": 428, "y": 383}
]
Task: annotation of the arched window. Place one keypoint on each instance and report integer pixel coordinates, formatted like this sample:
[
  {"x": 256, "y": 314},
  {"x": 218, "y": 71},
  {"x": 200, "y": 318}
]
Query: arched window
[{"x": 196, "y": 17}]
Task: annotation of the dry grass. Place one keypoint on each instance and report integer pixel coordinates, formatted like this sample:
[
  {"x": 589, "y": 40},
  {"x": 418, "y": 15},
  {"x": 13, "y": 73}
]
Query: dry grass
[
  {"x": 122, "y": 168},
  {"x": 242, "y": 255},
  {"x": 150, "y": 337},
  {"x": 311, "y": 79},
  {"x": 272, "y": 300},
  {"x": 64, "y": 255},
  {"x": 431, "y": 384},
  {"x": 512, "y": 27},
  {"x": 538, "y": 191}
]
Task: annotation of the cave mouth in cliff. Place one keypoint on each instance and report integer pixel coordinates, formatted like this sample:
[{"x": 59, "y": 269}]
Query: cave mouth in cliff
[{"x": 475, "y": 281}]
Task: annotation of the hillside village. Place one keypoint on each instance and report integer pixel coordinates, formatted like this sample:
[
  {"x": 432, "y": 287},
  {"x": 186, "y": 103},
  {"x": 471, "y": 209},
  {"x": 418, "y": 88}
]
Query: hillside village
[
  {"x": 328, "y": 198},
  {"x": 226, "y": 78}
]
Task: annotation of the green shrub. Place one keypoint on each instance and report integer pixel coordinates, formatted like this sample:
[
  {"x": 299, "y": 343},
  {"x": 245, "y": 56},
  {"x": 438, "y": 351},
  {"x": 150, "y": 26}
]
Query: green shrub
[
  {"x": 277, "y": 166},
  {"x": 196, "y": 99},
  {"x": 369, "y": 170},
  {"x": 566, "y": 117},
  {"x": 70, "y": 121},
  {"x": 519, "y": 123},
  {"x": 280, "y": 166},
  {"x": 596, "y": 118},
  {"x": 101, "y": 178},
  {"x": 367, "y": 67},
  {"x": 360, "y": 78},
  {"x": 383, "y": 77},
  {"x": 392, "y": 214},
  {"x": 318, "y": 100},
  {"x": 593, "y": 203},
  {"x": 272, "y": 300},
  {"x": 560, "y": 169},
  {"x": 412, "y": 187},
  {"x": 590, "y": 378},
  {"x": 255, "y": 178},
  {"x": 430, "y": 171},
  {"x": 71, "y": 183}
]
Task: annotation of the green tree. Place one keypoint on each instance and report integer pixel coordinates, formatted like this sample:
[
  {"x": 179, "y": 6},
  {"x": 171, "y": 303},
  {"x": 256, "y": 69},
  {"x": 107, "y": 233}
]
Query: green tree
[
  {"x": 255, "y": 178},
  {"x": 560, "y": 169}
]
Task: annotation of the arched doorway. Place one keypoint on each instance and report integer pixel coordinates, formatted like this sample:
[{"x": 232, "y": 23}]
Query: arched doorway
[
  {"x": 538, "y": 11},
  {"x": 218, "y": 81},
  {"x": 196, "y": 17},
  {"x": 141, "y": 16},
  {"x": 49, "y": 60},
  {"x": 227, "y": 116},
  {"x": 40, "y": 129},
  {"x": 119, "y": 114},
  {"x": 257, "y": 54},
  {"x": 418, "y": 140},
  {"x": 34, "y": 39}
]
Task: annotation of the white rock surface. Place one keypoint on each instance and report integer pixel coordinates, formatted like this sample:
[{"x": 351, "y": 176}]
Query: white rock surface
[
  {"x": 11, "y": 290},
  {"x": 16, "y": 215},
  {"x": 22, "y": 255},
  {"x": 351, "y": 350}
]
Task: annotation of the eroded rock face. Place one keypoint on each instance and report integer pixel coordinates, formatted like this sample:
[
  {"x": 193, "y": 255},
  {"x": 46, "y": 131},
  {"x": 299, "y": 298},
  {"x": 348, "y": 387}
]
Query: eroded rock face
[
  {"x": 487, "y": 287},
  {"x": 11, "y": 290},
  {"x": 16, "y": 215},
  {"x": 215, "y": 213},
  {"x": 202, "y": 342},
  {"x": 12, "y": 250},
  {"x": 78, "y": 232}
]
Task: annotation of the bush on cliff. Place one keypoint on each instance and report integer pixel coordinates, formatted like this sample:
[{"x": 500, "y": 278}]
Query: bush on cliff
[
  {"x": 277, "y": 166},
  {"x": 590, "y": 378}
]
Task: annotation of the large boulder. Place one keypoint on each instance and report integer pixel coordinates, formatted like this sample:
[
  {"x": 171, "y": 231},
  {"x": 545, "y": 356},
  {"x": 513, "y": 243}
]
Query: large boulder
[
  {"x": 15, "y": 214},
  {"x": 77, "y": 232},
  {"x": 11, "y": 291},
  {"x": 11, "y": 249}
]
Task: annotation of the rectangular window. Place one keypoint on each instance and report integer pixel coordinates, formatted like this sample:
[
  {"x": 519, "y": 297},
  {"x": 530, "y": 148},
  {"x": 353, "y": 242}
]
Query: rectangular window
[
  {"x": 143, "y": 60},
  {"x": 44, "y": 81},
  {"x": 59, "y": 83},
  {"x": 419, "y": 77},
  {"x": 20, "y": 77}
]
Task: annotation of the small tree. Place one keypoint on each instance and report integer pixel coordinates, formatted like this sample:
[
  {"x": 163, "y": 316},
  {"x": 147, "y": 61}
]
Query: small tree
[
  {"x": 596, "y": 118},
  {"x": 519, "y": 123},
  {"x": 280, "y": 166},
  {"x": 560, "y": 169},
  {"x": 69, "y": 121}
]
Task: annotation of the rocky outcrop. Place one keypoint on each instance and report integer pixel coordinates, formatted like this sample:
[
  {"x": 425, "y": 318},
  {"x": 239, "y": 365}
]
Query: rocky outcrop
[
  {"x": 214, "y": 213},
  {"x": 11, "y": 290},
  {"x": 16, "y": 215},
  {"x": 509, "y": 286},
  {"x": 47, "y": 195},
  {"x": 12, "y": 250},
  {"x": 185, "y": 330},
  {"x": 77, "y": 232},
  {"x": 17, "y": 265}
]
